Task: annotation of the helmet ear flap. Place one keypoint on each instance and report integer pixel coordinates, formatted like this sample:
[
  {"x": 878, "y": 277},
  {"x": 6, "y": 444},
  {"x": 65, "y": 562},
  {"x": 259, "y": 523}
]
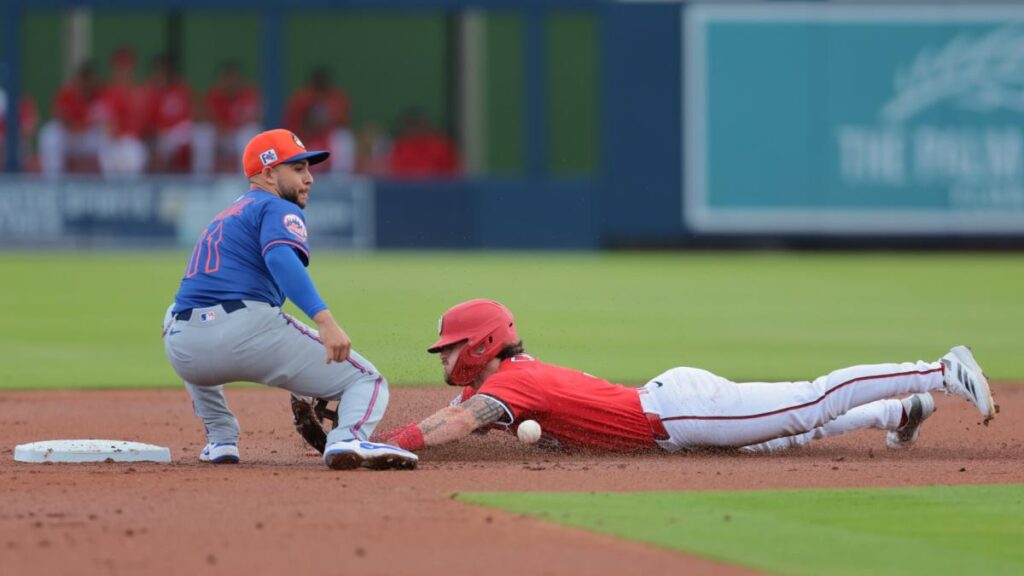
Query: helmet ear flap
[
  {"x": 483, "y": 345},
  {"x": 472, "y": 360}
]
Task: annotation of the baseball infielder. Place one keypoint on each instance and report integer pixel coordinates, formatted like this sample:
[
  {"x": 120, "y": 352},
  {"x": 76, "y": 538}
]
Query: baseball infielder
[
  {"x": 226, "y": 322},
  {"x": 683, "y": 408}
]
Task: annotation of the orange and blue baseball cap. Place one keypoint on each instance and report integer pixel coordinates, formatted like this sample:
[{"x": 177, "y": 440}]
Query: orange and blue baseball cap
[{"x": 273, "y": 147}]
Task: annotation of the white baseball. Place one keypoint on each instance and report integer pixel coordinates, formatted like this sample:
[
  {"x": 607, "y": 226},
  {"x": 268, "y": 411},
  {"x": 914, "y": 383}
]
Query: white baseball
[{"x": 528, "y": 431}]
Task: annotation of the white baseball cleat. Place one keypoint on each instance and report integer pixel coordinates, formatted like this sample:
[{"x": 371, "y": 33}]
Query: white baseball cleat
[
  {"x": 351, "y": 454},
  {"x": 220, "y": 453},
  {"x": 963, "y": 377},
  {"x": 917, "y": 408}
]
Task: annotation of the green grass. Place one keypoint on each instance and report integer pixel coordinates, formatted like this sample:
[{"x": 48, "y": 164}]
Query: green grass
[
  {"x": 928, "y": 531},
  {"x": 93, "y": 319}
]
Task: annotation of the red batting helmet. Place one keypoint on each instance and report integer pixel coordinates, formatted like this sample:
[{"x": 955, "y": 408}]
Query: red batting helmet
[{"x": 485, "y": 326}]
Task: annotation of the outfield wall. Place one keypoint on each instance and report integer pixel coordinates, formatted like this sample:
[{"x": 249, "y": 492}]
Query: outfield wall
[
  {"x": 345, "y": 213},
  {"x": 160, "y": 212}
]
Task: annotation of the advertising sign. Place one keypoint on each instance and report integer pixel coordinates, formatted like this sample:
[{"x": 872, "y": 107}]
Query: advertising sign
[
  {"x": 163, "y": 211},
  {"x": 814, "y": 118}
]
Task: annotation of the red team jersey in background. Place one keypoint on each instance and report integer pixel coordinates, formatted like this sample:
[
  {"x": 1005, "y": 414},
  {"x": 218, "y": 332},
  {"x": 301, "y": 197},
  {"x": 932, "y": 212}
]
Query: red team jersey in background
[
  {"x": 314, "y": 113},
  {"x": 424, "y": 155},
  {"x": 123, "y": 109},
  {"x": 75, "y": 108},
  {"x": 231, "y": 111},
  {"x": 576, "y": 409},
  {"x": 168, "y": 106}
]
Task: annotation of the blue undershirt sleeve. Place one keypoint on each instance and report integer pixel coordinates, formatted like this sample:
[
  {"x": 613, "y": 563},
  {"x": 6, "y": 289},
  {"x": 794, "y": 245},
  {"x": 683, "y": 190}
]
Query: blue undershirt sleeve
[{"x": 289, "y": 273}]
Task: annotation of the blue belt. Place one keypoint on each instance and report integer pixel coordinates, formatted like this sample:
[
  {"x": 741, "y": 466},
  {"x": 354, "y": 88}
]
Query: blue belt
[{"x": 228, "y": 305}]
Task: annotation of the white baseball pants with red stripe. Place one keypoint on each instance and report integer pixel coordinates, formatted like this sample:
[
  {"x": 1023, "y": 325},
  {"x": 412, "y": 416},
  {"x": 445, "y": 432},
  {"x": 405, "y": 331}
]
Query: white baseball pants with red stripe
[
  {"x": 881, "y": 415},
  {"x": 701, "y": 409},
  {"x": 260, "y": 343}
]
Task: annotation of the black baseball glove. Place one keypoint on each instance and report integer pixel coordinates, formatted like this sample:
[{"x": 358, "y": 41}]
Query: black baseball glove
[{"x": 308, "y": 416}]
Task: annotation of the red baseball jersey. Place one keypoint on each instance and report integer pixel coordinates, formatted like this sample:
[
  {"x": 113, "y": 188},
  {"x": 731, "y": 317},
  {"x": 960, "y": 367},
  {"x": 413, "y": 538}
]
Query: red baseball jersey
[
  {"x": 313, "y": 113},
  {"x": 168, "y": 106},
  {"x": 424, "y": 155},
  {"x": 123, "y": 107},
  {"x": 230, "y": 111},
  {"x": 573, "y": 408},
  {"x": 77, "y": 109}
]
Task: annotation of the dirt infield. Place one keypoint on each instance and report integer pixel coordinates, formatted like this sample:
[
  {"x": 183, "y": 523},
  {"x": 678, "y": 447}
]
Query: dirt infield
[{"x": 281, "y": 511}]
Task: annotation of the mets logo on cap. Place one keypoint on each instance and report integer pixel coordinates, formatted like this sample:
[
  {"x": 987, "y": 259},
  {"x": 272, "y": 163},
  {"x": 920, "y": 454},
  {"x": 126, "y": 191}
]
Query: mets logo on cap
[
  {"x": 296, "y": 226},
  {"x": 298, "y": 142}
]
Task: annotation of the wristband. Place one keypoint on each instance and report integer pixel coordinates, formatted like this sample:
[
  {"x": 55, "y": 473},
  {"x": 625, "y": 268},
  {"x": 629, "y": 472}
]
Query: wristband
[{"x": 409, "y": 437}]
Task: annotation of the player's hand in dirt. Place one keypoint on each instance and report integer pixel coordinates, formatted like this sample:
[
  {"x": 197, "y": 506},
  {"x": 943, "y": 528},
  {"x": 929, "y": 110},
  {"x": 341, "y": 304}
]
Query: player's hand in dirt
[{"x": 336, "y": 342}]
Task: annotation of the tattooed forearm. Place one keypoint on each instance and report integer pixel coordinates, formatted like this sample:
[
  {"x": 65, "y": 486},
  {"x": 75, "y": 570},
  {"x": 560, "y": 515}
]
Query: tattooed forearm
[
  {"x": 457, "y": 422},
  {"x": 432, "y": 423},
  {"x": 485, "y": 410}
]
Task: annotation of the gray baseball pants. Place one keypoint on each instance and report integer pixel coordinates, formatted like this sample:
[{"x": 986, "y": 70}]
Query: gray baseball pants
[{"x": 260, "y": 343}]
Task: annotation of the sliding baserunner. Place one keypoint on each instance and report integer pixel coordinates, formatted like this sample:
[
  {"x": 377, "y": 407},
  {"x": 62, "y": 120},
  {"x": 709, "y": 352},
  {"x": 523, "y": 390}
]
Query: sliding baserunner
[{"x": 683, "y": 408}]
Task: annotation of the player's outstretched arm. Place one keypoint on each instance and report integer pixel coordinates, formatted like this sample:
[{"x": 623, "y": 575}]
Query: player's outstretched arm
[{"x": 448, "y": 424}]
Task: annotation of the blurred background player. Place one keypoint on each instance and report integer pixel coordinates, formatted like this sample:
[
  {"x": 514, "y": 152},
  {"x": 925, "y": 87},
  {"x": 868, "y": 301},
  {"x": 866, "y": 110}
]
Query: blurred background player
[
  {"x": 320, "y": 111},
  {"x": 422, "y": 151},
  {"x": 232, "y": 114},
  {"x": 122, "y": 119},
  {"x": 373, "y": 150},
  {"x": 69, "y": 141},
  {"x": 168, "y": 113}
]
